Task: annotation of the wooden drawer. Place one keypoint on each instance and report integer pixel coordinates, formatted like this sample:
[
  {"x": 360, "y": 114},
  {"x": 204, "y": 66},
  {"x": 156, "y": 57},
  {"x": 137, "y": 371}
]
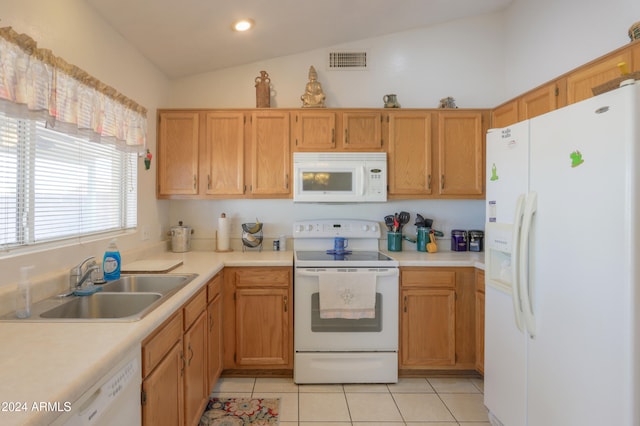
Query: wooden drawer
[
  {"x": 160, "y": 342},
  {"x": 427, "y": 278},
  {"x": 263, "y": 278},
  {"x": 214, "y": 287},
  {"x": 194, "y": 307}
]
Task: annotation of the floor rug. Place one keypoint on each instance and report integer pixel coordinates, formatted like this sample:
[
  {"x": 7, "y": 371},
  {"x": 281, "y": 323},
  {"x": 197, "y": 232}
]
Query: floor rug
[{"x": 241, "y": 412}]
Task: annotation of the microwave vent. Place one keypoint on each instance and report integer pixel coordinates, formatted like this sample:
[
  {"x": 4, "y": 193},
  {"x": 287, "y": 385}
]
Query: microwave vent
[{"x": 344, "y": 60}]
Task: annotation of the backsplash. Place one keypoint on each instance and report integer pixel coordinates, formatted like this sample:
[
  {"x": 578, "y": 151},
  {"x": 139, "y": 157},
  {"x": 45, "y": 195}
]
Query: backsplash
[{"x": 278, "y": 216}]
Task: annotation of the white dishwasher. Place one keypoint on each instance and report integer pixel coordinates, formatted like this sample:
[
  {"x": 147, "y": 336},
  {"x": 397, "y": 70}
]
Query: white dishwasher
[{"x": 113, "y": 400}]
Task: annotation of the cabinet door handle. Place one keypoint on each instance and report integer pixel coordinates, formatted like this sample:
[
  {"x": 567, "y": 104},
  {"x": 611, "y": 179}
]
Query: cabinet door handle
[
  {"x": 190, "y": 355},
  {"x": 210, "y": 322},
  {"x": 441, "y": 181},
  {"x": 286, "y": 303},
  {"x": 346, "y": 136},
  {"x": 184, "y": 361},
  {"x": 429, "y": 182},
  {"x": 208, "y": 181},
  {"x": 405, "y": 304},
  {"x": 333, "y": 136},
  {"x": 195, "y": 181},
  {"x": 286, "y": 185}
]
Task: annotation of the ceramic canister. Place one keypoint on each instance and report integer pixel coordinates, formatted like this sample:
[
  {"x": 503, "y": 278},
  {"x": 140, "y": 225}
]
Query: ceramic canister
[{"x": 458, "y": 240}]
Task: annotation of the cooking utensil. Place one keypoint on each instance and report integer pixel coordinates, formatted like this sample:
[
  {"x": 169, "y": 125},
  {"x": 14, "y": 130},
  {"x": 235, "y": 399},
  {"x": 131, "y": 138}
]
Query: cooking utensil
[
  {"x": 403, "y": 218},
  {"x": 396, "y": 223},
  {"x": 422, "y": 222},
  {"x": 432, "y": 247},
  {"x": 388, "y": 220}
]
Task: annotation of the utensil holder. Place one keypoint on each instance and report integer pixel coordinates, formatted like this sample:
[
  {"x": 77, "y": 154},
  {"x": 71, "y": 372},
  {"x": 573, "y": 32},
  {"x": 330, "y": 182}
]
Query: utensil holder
[{"x": 394, "y": 241}]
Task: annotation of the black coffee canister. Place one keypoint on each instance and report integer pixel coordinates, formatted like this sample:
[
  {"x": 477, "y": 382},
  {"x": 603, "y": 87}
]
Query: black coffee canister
[{"x": 476, "y": 238}]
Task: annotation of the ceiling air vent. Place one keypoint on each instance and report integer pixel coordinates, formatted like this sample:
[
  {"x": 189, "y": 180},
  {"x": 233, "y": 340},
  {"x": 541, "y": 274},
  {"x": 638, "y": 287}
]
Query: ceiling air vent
[{"x": 347, "y": 61}]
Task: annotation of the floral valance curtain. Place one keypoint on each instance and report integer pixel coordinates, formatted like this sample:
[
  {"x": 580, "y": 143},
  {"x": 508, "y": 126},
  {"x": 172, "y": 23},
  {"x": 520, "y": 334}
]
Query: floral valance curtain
[{"x": 36, "y": 84}]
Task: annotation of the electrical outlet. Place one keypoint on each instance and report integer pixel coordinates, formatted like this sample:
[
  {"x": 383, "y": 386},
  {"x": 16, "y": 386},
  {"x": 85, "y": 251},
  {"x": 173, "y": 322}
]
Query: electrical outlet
[{"x": 144, "y": 233}]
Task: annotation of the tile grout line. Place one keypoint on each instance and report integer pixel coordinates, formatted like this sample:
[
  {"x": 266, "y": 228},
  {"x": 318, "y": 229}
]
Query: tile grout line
[{"x": 404, "y": 421}]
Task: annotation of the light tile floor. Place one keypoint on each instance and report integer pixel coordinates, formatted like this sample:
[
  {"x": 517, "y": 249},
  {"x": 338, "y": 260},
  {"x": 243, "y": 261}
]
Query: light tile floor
[{"x": 410, "y": 402}]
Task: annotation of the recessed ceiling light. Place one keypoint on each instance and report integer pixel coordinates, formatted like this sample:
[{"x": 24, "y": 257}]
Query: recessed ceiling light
[{"x": 243, "y": 25}]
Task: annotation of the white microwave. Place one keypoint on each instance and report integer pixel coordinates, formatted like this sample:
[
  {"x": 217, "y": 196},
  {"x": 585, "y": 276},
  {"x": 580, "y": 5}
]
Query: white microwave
[{"x": 339, "y": 177}]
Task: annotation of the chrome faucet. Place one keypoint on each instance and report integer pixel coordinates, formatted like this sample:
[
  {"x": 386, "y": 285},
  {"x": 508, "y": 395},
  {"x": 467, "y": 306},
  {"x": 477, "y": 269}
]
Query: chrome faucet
[{"x": 76, "y": 275}]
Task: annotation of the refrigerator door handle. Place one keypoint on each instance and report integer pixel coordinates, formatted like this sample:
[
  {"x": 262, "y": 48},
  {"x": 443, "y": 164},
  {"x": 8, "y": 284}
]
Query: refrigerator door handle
[
  {"x": 515, "y": 287},
  {"x": 530, "y": 208}
]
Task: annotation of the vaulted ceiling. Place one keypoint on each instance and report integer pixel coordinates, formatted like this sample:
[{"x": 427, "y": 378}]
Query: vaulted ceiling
[{"x": 188, "y": 37}]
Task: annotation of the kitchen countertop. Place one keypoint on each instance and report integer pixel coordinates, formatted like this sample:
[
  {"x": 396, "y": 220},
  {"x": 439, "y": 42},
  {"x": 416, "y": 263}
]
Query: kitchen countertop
[
  {"x": 57, "y": 362},
  {"x": 441, "y": 258}
]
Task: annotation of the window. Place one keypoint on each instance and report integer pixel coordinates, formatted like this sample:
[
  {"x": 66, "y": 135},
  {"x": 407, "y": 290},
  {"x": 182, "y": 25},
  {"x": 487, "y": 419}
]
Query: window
[{"x": 54, "y": 186}]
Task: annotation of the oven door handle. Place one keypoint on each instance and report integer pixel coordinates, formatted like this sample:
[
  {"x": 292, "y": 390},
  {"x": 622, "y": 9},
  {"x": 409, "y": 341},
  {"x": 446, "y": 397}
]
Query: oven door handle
[{"x": 385, "y": 272}]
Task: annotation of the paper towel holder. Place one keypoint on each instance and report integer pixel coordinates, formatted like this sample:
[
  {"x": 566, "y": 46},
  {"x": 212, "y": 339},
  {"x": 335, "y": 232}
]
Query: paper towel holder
[{"x": 217, "y": 250}]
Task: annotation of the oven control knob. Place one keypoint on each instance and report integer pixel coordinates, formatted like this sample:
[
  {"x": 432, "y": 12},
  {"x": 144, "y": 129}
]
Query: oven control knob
[
  {"x": 309, "y": 228},
  {"x": 365, "y": 228},
  {"x": 300, "y": 228},
  {"x": 374, "y": 228}
]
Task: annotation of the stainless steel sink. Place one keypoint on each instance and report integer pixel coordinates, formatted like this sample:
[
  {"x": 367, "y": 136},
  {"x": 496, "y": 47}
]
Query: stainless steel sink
[
  {"x": 146, "y": 283},
  {"x": 129, "y": 298},
  {"x": 104, "y": 306}
]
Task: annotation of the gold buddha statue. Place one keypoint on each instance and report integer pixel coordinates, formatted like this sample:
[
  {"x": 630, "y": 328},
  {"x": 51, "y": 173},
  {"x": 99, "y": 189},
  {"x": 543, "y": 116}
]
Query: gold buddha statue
[{"x": 313, "y": 95}]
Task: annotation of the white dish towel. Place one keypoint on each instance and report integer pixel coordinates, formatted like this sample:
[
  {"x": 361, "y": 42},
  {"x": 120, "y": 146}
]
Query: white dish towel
[{"x": 347, "y": 295}]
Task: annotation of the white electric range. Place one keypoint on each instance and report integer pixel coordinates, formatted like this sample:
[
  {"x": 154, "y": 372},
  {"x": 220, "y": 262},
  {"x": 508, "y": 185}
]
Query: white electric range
[{"x": 344, "y": 347}]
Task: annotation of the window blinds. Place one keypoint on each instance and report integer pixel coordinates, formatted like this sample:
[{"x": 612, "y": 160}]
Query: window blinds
[{"x": 54, "y": 186}]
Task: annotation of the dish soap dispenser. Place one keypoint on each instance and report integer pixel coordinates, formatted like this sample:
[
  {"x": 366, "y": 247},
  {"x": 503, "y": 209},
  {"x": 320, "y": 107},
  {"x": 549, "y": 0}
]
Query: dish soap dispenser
[
  {"x": 111, "y": 262},
  {"x": 23, "y": 295}
]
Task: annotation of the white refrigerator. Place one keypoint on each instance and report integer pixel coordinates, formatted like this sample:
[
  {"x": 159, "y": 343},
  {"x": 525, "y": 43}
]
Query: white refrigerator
[{"x": 562, "y": 312}]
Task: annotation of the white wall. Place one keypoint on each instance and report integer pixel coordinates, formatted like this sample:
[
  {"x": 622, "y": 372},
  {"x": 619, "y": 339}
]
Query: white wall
[
  {"x": 278, "y": 216},
  {"x": 462, "y": 59},
  {"x": 547, "y": 38},
  {"x": 73, "y": 31}
]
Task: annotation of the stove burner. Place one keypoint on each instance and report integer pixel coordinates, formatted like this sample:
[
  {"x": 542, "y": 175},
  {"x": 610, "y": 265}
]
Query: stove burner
[
  {"x": 353, "y": 256},
  {"x": 339, "y": 252}
]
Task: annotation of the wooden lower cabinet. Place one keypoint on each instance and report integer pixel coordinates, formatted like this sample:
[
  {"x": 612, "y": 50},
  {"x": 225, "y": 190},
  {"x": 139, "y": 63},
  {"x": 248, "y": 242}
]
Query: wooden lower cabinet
[
  {"x": 480, "y": 321},
  {"x": 175, "y": 385},
  {"x": 214, "y": 335},
  {"x": 195, "y": 380},
  {"x": 428, "y": 327},
  {"x": 258, "y": 318},
  {"x": 437, "y": 318},
  {"x": 162, "y": 373}
]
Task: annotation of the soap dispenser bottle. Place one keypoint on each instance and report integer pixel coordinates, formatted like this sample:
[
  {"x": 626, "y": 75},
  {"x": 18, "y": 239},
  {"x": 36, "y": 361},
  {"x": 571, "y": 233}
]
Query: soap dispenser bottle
[
  {"x": 23, "y": 294},
  {"x": 111, "y": 262}
]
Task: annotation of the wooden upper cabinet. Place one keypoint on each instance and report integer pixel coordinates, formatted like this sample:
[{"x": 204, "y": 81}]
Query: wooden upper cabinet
[
  {"x": 314, "y": 131},
  {"x": 505, "y": 115},
  {"x": 460, "y": 154},
  {"x": 270, "y": 154},
  {"x": 223, "y": 159},
  {"x": 581, "y": 81},
  {"x": 409, "y": 153},
  {"x": 178, "y": 140},
  {"x": 538, "y": 101},
  {"x": 362, "y": 131},
  {"x": 635, "y": 56}
]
